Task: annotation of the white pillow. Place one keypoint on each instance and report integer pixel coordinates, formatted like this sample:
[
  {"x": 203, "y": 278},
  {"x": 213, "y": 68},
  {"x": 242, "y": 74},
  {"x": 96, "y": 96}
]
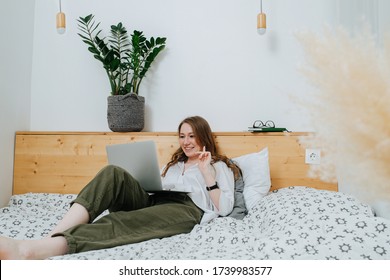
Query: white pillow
[{"x": 256, "y": 176}]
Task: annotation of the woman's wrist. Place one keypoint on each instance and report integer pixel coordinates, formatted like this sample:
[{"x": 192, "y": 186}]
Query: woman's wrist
[{"x": 208, "y": 174}]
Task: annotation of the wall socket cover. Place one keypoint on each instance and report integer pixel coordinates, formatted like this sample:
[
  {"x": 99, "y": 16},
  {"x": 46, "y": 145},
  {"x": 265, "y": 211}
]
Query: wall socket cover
[{"x": 313, "y": 156}]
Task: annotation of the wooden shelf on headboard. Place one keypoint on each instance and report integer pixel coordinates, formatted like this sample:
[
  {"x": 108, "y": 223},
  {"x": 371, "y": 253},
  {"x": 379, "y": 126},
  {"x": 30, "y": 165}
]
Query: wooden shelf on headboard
[{"x": 63, "y": 162}]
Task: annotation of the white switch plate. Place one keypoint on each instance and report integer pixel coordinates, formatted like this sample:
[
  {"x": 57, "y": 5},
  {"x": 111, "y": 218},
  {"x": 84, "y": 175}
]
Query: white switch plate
[{"x": 313, "y": 156}]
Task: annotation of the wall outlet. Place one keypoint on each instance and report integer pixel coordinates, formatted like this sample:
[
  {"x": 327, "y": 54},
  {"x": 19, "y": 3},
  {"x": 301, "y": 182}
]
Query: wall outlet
[{"x": 313, "y": 156}]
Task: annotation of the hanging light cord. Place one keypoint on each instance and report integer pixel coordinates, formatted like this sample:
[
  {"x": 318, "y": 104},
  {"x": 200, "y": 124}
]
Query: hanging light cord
[
  {"x": 261, "y": 20},
  {"x": 60, "y": 6}
]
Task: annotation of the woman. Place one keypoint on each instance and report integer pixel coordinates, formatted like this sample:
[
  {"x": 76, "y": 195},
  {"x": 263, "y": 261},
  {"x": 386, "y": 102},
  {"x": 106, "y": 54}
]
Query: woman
[{"x": 135, "y": 215}]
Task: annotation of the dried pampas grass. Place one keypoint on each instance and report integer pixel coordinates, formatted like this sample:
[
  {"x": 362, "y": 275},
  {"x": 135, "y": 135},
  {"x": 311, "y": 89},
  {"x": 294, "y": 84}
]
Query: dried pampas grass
[{"x": 350, "y": 108}]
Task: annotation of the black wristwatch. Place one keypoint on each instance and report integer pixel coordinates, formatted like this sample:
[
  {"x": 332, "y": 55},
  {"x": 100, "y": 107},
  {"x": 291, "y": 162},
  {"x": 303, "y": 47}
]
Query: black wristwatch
[{"x": 212, "y": 187}]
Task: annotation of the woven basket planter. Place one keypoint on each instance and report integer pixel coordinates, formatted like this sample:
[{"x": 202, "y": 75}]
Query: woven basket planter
[{"x": 126, "y": 113}]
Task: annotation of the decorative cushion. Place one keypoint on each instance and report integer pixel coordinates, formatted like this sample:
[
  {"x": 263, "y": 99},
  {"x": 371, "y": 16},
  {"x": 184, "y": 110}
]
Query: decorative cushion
[{"x": 256, "y": 176}]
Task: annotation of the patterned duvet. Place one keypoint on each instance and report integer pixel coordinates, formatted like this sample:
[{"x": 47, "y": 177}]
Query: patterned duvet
[{"x": 291, "y": 223}]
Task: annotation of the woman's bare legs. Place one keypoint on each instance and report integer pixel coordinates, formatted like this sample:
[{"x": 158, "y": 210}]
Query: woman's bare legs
[
  {"x": 47, "y": 247},
  {"x": 76, "y": 215}
]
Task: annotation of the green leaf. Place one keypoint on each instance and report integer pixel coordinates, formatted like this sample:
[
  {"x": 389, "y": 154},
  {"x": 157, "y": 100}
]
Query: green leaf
[
  {"x": 109, "y": 57},
  {"x": 88, "y": 18},
  {"x": 89, "y": 43},
  {"x": 148, "y": 44},
  {"x": 114, "y": 65},
  {"x": 160, "y": 41},
  {"x": 98, "y": 57},
  {"x": 94, "y": 50},
  {"x": 84, "y": 37}
]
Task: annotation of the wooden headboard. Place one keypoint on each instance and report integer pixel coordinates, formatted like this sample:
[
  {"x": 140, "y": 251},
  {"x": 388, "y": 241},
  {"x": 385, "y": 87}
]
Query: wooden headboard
[{"x": 63, "y": 162}]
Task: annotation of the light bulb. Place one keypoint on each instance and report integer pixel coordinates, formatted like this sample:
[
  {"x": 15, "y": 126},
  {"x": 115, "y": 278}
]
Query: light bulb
[
  {"x": 61, "y": 30},
  {"x": 261, "y": 31}
]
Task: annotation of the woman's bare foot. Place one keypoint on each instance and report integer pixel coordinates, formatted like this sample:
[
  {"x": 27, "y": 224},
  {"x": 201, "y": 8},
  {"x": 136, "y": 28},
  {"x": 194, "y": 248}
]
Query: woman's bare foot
[{"x": 12, "y": 249}]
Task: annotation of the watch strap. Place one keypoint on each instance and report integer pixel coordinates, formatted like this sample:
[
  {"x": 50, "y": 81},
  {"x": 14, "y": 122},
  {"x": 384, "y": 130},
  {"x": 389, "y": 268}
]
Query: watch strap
[{"x": 212, "y": 187}]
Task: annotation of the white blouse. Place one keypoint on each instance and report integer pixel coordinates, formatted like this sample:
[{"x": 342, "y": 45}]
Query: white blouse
[{"x": 192, "y": 180}]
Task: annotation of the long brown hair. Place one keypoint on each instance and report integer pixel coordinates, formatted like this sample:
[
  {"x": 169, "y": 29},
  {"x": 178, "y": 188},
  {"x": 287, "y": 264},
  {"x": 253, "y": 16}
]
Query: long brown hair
[{"x": 204, "y": 137}]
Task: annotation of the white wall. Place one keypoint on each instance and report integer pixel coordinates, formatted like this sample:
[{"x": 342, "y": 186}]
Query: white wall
[
  {"x": 16, "y": 27},
  {"x": 215, "y": 64}
]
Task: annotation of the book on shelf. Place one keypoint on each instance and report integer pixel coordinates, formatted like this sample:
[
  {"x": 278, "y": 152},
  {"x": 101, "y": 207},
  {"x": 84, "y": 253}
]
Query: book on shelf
[{"x": 267, "y": 129}]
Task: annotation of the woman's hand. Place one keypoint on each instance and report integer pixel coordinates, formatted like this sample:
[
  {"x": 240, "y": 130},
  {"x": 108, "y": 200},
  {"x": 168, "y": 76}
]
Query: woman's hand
[
  {"x": 205, "y": 167},
  {"x": 204, "y": 159}
]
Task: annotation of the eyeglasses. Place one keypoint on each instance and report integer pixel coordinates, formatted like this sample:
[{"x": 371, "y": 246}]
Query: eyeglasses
[{"x": 260, "y": 124}]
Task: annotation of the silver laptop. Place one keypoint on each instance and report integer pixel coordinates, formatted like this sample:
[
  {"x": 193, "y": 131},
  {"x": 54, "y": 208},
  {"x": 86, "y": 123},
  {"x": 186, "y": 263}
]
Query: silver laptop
[{"x": 140, "y": 160}]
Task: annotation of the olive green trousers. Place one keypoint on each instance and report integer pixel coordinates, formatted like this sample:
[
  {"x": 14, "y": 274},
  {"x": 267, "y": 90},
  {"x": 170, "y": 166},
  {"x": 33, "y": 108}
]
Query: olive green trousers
[{"x": 134, "y": 215}]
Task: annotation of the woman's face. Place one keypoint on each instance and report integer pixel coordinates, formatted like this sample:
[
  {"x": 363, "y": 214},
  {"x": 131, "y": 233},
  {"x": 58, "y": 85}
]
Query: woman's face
[{"x": 188, "y": 142}]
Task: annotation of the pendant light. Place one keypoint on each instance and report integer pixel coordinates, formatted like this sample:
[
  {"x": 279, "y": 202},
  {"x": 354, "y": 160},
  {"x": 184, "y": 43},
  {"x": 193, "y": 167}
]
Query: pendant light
[
  {"x": 61, "y": 24},
  {"x": 261, "y": 20}
]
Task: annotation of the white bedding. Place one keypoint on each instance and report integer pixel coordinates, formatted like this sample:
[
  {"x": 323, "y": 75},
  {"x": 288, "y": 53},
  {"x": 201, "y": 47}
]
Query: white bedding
[{"x": 292, "y": 223}]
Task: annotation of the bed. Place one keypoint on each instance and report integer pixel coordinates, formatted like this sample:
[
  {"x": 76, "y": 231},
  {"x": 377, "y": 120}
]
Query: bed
[{"x": 286, "y": 215}]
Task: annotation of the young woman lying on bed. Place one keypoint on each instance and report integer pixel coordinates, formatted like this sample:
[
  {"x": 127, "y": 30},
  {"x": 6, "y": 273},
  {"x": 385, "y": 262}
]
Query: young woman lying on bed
[{"x": 135, "y": 215}]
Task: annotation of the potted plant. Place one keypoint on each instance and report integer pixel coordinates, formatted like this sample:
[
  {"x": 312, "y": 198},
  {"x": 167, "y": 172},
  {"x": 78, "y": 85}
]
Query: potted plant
[{"x": 126, "y": 60}]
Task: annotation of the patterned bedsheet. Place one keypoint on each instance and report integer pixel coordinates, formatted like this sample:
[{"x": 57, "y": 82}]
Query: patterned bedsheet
[{"x": 292, "y": 223}]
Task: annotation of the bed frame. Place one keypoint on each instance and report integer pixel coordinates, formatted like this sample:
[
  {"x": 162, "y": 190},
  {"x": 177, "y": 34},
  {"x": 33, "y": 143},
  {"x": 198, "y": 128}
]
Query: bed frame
[{"x": 63, "y": 162}]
